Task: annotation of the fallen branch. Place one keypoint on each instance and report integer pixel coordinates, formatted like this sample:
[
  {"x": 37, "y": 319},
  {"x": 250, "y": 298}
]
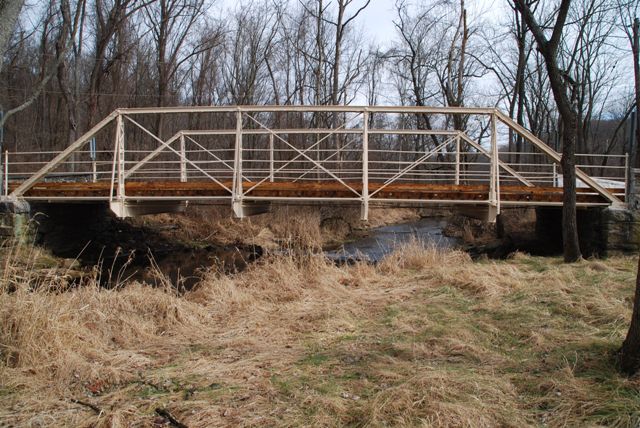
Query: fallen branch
[
  {"x": 168, "y": 416},
  {"x": 93, "y": 407}
]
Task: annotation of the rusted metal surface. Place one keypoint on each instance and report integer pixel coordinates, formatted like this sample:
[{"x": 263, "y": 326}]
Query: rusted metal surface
[{"x": 406, "y": 191}]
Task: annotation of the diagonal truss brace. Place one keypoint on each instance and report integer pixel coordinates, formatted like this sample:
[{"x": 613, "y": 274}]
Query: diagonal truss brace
[
  {"x": 557, "y": 158},
  {"x": 64, "y": 155},
  {"x": 303, "y": 153},
  {"x": 501, "y": 164},
  {"x": 154, "y": 153},
  {"x": 325, "y": 160},
  {"x": 166, "y": 145},
  {"x": 209, "y": 152},
  {"x": 413, "y": 165}
]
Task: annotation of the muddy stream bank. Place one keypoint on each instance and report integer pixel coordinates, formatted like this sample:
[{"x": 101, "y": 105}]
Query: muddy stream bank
[{"x": 124, "y": 250}]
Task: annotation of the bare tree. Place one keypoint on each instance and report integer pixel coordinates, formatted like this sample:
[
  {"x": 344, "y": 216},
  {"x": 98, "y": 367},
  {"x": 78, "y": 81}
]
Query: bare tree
[
  {"x": 171, "y": 22},
  {"x": 109, "y": 18},
  {"x": 320, "y": 53},
  {"x": 341, "y": 24},
  {"x": 71, "y": 90},
  {"x": 67, "y": 30},
  {"x": 548, "y": 47},
  {"x": 205, "y": 70},
  {"x": 591, "y": 63},
  {"x": 246, "y": 72},
  {"x": 629, "y": 354},
  {"x": 452, "y": 79},
  {"x": 431, "y": 59},
  {"x": 415, "y": 60},
  {"x": 511, "y": 70},
  {"x": 9, "y": 11},
  {"x": 340, "y": 75}
]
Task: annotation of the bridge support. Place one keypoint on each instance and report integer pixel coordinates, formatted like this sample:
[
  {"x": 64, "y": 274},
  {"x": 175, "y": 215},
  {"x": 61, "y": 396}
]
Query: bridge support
[
  {"x": 620, "y": 230},
  {"x": 364, "y": 214},
  {"x": 123, "y": 209},
  {"x": 15, "y": 221},
  {"x": 486, "y": 213},
  {"x": 248, "y": 209},
  {"x": 601, "y": 231}
]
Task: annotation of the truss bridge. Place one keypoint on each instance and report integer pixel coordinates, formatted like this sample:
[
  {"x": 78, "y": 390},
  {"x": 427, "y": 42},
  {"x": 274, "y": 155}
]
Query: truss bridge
[{"x": 149, "y": 160}]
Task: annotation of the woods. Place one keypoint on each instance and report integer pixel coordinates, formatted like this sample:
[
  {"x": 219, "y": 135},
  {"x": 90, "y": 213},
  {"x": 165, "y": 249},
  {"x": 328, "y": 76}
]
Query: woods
[{"x": 77, "y": 61}]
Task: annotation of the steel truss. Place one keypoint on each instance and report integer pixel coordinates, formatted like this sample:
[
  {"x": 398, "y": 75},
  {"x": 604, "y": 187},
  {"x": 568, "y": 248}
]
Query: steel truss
[{"x": 340, "y": 155}]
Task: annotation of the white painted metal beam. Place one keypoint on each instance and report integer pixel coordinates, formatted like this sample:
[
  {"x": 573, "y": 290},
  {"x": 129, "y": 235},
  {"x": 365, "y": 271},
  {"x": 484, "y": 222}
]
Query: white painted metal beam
[
  {"x": 556, "y": 157},
  {"x": 27, "y": 184}
]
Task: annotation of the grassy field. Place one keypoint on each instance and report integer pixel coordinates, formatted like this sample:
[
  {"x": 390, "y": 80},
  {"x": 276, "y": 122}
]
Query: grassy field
[{"x": 422, "y": 339}]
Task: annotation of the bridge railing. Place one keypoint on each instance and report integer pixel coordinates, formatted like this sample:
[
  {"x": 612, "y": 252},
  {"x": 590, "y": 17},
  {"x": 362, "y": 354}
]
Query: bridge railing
[
  {"x": 609, "y": 170},
  {"x": 363, "y": 153}
]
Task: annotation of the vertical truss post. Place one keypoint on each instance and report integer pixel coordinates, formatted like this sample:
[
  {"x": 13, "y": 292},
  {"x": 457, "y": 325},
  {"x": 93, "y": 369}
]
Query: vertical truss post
[
  {"x": 555, "y": 175},
  {"x": 497, "y": 174},
  {"x": 183, "y": 160},
  {"x": 271, "y": 173},
  {"x": 121, "y": 157},
  {"x": 6, "y": 173},
  {"x": 494, "y": 189},
  {"x": 627, "y": 175},
  {"x": 93, "y": 154},
  {"x": 365, "y": 166},
  {"x": 113, "y": 167},
  {"x": 458, "y": 159},
  {"x": 237, "y": 191},
  {"x": 318, "y": 147}
]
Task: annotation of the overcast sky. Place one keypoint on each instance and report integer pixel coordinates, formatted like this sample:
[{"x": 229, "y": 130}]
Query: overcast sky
[{"x": 377, "y": 20}]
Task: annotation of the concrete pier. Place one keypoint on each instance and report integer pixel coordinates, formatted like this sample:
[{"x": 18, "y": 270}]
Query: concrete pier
[
  {"x": 602, "y": 231},
  {"x": 15, "y": 220}
]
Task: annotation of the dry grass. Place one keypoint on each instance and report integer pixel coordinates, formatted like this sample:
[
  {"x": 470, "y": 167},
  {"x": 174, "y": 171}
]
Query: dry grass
[
  {"x": 301, "y": 227},
  {"x": 423, "y": 339}
]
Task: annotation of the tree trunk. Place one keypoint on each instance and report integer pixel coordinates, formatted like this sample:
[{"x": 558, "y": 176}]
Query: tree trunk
[
  {"x": 9, "y": 11},
  {"x": 629, "y": 355},
  {"x": 516, "y": 105},
  {"x": 569, "y": 116},
  {"x": 570, "y": 243},
  {"x": 635, "y": 47},
  {"x": 336, "y": 80}
]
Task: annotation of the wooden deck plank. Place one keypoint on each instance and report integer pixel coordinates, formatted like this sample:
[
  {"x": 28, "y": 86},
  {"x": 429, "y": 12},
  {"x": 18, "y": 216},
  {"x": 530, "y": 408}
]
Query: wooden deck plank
[{"x": 280, "y": 189}]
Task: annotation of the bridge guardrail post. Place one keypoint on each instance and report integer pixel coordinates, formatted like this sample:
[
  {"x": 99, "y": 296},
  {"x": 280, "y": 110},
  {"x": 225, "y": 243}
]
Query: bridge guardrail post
[
  {"x": 271, "y": 159},
  {"x": 183, "y": 160},
  {"x": 627, "y": 171},
  {"x": 121, "y": 158},
  {"x": 93, "y": 156},
  {"x": 6, "y": 173},
  {"x": 364, "y": 215},
  {"x": 457, "y": 159}
]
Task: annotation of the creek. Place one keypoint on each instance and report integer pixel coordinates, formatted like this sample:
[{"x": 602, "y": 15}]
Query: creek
[{"x": 380, "y": 241}]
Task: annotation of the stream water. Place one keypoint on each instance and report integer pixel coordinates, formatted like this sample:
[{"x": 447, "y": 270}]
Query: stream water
[
  {"x": 381, "y": 241},
  {"x": 184, "y": 266},
  {"x": 128, "y": 252}
]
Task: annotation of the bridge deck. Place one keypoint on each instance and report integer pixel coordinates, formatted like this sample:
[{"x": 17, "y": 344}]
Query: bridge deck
[{"x": 193, "y": 190}]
